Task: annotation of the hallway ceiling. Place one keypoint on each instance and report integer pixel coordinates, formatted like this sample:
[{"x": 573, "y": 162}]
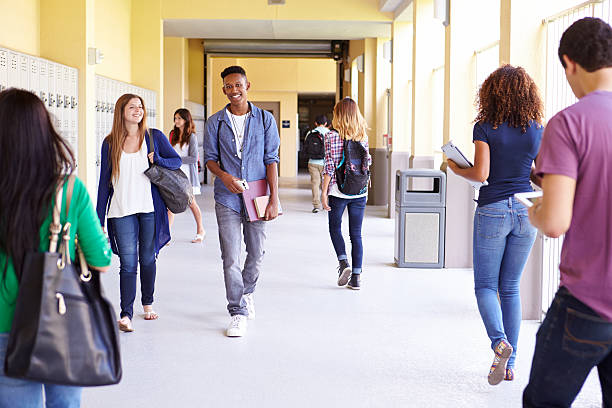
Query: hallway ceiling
[{"x": 276, "y": 30}]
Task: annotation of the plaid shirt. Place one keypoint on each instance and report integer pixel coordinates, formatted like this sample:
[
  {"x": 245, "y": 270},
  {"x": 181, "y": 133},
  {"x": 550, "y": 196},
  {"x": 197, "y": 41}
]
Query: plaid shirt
[{"x": 333, "y": 154}]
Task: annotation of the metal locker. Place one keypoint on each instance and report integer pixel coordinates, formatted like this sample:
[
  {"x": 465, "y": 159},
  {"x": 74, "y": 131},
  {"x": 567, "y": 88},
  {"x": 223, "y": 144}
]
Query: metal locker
[
  {"x": 59, "y": 99},
  {"x": 34, "y": 64},
  {"x": 51, "y": 98},
  {"x": 43, "y": 81},
  {"x": 24, "y": 72},
  {"x": 3, "y": 69},
  {"x": 13, "y": 69},
  {"x": 73, "y": 94}
]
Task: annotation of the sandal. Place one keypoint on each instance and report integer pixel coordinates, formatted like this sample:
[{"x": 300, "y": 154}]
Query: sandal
[
  {"x": 199, "y": 238},
  {"x": 509, "y": 374},
  {"x": 150, "y": 315},
  {"x": 125, "y": 324}
]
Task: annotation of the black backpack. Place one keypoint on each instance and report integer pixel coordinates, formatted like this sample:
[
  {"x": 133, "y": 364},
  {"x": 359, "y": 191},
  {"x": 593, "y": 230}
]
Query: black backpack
[
  {"x": 353, "y": 174},
  {"x": 314, "y": 146}
]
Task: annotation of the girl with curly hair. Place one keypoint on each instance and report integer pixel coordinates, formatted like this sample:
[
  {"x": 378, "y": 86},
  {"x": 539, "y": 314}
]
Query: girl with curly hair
[{"x": 507, "y": 134}]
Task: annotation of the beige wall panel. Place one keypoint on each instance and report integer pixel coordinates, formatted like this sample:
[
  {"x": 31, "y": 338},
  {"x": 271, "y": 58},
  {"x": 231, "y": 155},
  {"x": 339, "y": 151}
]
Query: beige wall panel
[
  {"x": 113, "y": 31},
  {"x": 20, "y": 30}
]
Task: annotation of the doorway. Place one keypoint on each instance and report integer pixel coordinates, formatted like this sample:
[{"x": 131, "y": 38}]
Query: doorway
[{"x": 309, "y": 107}]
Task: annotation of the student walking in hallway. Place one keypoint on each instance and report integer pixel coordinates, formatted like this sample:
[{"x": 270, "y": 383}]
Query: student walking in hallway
[
  {"x": 35, "y": 162},
  {"x": 574, "y": 164},
  {"x": 241, "y": 145},
  {"x": 314, "y": 145},
  {"x": 507, "y": 136},
  {"x": 137, "y": 215},
  {"x": 185, "y": 142},
  {"x": 349, "y": 134}
]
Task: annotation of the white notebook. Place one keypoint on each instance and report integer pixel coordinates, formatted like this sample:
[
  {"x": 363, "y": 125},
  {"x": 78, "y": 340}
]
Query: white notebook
[{"x": 452, "y": 152}]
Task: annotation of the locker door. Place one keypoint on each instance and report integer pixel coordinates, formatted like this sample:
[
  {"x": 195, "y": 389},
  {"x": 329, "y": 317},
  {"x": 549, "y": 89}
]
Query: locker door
[
  {"x": 34, "y": 76},
  {"x": 52, "y": 99},
  {"x": 13, "y": 70},
  {"x": 24, "y": 72},
  {"x": 73, "y": 106},
  {"x": 59, "y": 101},
  {"x": 43, "y": 81},
  {"x": 3, "y": 69}
]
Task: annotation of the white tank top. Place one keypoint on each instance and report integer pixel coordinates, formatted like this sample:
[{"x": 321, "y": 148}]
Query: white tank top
[{"x": 132, "y": 190}]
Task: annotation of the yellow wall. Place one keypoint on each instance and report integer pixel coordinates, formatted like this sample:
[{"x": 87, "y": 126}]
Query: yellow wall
[
  {"x": 175, "y": 53},
  {"x": 463, "y": 40},
  {"x": 364, "y": 10},
  {"x": 523, "y": 36},
  {"x": 148, "y": 50},
  {"x": 277, "y": 80},
  {"x": 113, "y": 30},
  {"x": 195, "y": 77},
  {"x": 428, "y": 54},
  {"x": 20, "y": 30},
  {"x": 401, "y": 88}
]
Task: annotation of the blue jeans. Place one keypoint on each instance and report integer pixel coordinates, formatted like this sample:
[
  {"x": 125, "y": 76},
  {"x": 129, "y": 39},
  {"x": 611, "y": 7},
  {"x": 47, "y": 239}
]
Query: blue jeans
[
  {"x": 570, "y": 342},
  {"x": 503, "y": 238},
  {"x": 29, "y": 394},
  {"x": 239, "y": 281},
  {"x": 356, "y": 211},
  {"x": 135, "y": 236}
]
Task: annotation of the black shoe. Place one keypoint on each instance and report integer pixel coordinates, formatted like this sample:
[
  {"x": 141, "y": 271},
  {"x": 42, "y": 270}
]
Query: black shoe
[
  {"x": 315, "y": 210},
  {"x": 355, "y": 282},
  {"x": 344, "y": 272}
]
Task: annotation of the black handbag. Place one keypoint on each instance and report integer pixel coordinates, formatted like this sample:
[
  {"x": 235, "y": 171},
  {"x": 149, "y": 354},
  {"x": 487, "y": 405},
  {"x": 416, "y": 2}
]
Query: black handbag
[
  {"x": 173, "y": 185},
  {"x": 64, "y": 330}
]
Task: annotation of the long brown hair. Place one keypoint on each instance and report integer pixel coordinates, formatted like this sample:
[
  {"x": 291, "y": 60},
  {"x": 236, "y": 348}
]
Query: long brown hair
[
  {"x": 119, "y": 132},
  {"x": 182, "y": 136},
  {"x": 348, "y": 121},
  {"x": 33, "y": 159},
  {"x": 510, "y": 95}
]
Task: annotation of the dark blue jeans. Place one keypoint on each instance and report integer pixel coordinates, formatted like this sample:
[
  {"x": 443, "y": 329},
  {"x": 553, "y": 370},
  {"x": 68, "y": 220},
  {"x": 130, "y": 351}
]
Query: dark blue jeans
[
  {"x": 135, "y": 236},
  {"x": 356, "y": 211},
  {"x": 571, "y": 341}
]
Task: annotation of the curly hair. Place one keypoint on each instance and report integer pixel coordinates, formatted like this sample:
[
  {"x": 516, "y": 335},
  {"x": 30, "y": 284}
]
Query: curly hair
[{"x": 509, "y": 95}]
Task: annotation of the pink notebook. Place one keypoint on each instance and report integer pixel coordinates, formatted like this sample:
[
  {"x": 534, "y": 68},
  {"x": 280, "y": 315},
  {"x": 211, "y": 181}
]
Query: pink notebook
[{"x": 256, "y": 189}]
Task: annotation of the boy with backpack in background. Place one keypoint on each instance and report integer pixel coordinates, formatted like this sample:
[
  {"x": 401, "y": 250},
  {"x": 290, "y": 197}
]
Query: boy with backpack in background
[{"x": 315, "y": 151}]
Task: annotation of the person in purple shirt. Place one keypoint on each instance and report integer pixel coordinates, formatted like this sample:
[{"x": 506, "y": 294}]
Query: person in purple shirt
[{"x": 575, "y": 163}]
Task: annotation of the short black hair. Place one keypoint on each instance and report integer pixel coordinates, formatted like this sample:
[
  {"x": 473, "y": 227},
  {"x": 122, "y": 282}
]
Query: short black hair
[
  {"x": 321, "y": 120},
  {"x": 234, "y": 69},
  {"x": 588, "y": 42}
]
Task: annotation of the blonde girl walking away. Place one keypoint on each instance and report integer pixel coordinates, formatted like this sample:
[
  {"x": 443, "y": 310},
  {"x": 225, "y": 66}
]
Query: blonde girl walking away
[{"x": 348, "y": 126}]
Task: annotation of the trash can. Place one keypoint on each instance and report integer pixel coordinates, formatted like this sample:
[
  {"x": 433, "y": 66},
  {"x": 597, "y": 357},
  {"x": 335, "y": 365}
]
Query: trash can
[{"x": 420, "y": 216}]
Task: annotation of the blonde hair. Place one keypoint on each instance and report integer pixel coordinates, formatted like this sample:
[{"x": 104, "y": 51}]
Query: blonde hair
[
  {"x": 348, "y": 121},
  {"x": 116, "y": 138}
]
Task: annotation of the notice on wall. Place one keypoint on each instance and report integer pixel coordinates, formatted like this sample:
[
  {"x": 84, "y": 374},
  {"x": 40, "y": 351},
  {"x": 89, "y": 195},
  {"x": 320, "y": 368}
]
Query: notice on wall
[{"x": 286, "y": 124}]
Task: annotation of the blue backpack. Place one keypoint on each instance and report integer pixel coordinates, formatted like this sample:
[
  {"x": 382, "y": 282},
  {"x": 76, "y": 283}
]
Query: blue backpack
[{"x": 353, "y": 174}]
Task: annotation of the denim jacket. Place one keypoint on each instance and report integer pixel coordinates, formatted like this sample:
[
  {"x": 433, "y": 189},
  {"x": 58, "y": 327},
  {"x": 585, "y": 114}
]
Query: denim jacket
[{"x": 260, "y": 148}]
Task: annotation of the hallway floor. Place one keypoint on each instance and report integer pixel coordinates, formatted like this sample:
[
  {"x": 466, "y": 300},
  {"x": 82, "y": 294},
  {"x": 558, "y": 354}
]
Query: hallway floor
[{"x": 409, "y": 338}]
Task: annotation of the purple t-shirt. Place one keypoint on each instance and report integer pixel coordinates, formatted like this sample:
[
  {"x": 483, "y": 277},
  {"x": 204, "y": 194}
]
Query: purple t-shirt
[{"x": 578, "y": 143}]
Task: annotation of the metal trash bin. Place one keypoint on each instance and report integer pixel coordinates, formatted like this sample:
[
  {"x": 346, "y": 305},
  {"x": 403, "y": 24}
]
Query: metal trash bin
[{"x": 420, "y": 216}]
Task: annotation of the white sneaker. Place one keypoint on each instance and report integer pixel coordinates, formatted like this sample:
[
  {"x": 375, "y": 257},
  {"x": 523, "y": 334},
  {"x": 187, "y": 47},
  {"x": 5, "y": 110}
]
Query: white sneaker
[
  {"x": 237, "y": 326},
  {"x": 249, "y": 298}
]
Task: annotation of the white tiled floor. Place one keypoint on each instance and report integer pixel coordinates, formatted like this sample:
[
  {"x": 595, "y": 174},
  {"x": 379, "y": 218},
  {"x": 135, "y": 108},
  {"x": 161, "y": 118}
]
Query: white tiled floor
[{"x": 410, "y": 338}]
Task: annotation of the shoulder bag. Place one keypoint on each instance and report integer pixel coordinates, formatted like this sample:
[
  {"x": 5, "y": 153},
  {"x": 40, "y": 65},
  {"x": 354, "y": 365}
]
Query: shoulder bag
[
  {"x": 173, "y": 185},
  {"x": 64, "y": 330}
]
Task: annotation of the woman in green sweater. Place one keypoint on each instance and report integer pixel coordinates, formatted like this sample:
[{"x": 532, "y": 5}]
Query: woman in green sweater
[{"x": 33, "y": 159}]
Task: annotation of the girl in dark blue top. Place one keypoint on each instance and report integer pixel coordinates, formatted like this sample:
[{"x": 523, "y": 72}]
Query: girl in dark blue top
[{"x": 507, "y": 136}]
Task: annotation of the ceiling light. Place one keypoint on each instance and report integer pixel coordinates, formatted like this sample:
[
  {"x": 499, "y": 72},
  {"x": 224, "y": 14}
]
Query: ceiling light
[{"x": 275, "y": 2}]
